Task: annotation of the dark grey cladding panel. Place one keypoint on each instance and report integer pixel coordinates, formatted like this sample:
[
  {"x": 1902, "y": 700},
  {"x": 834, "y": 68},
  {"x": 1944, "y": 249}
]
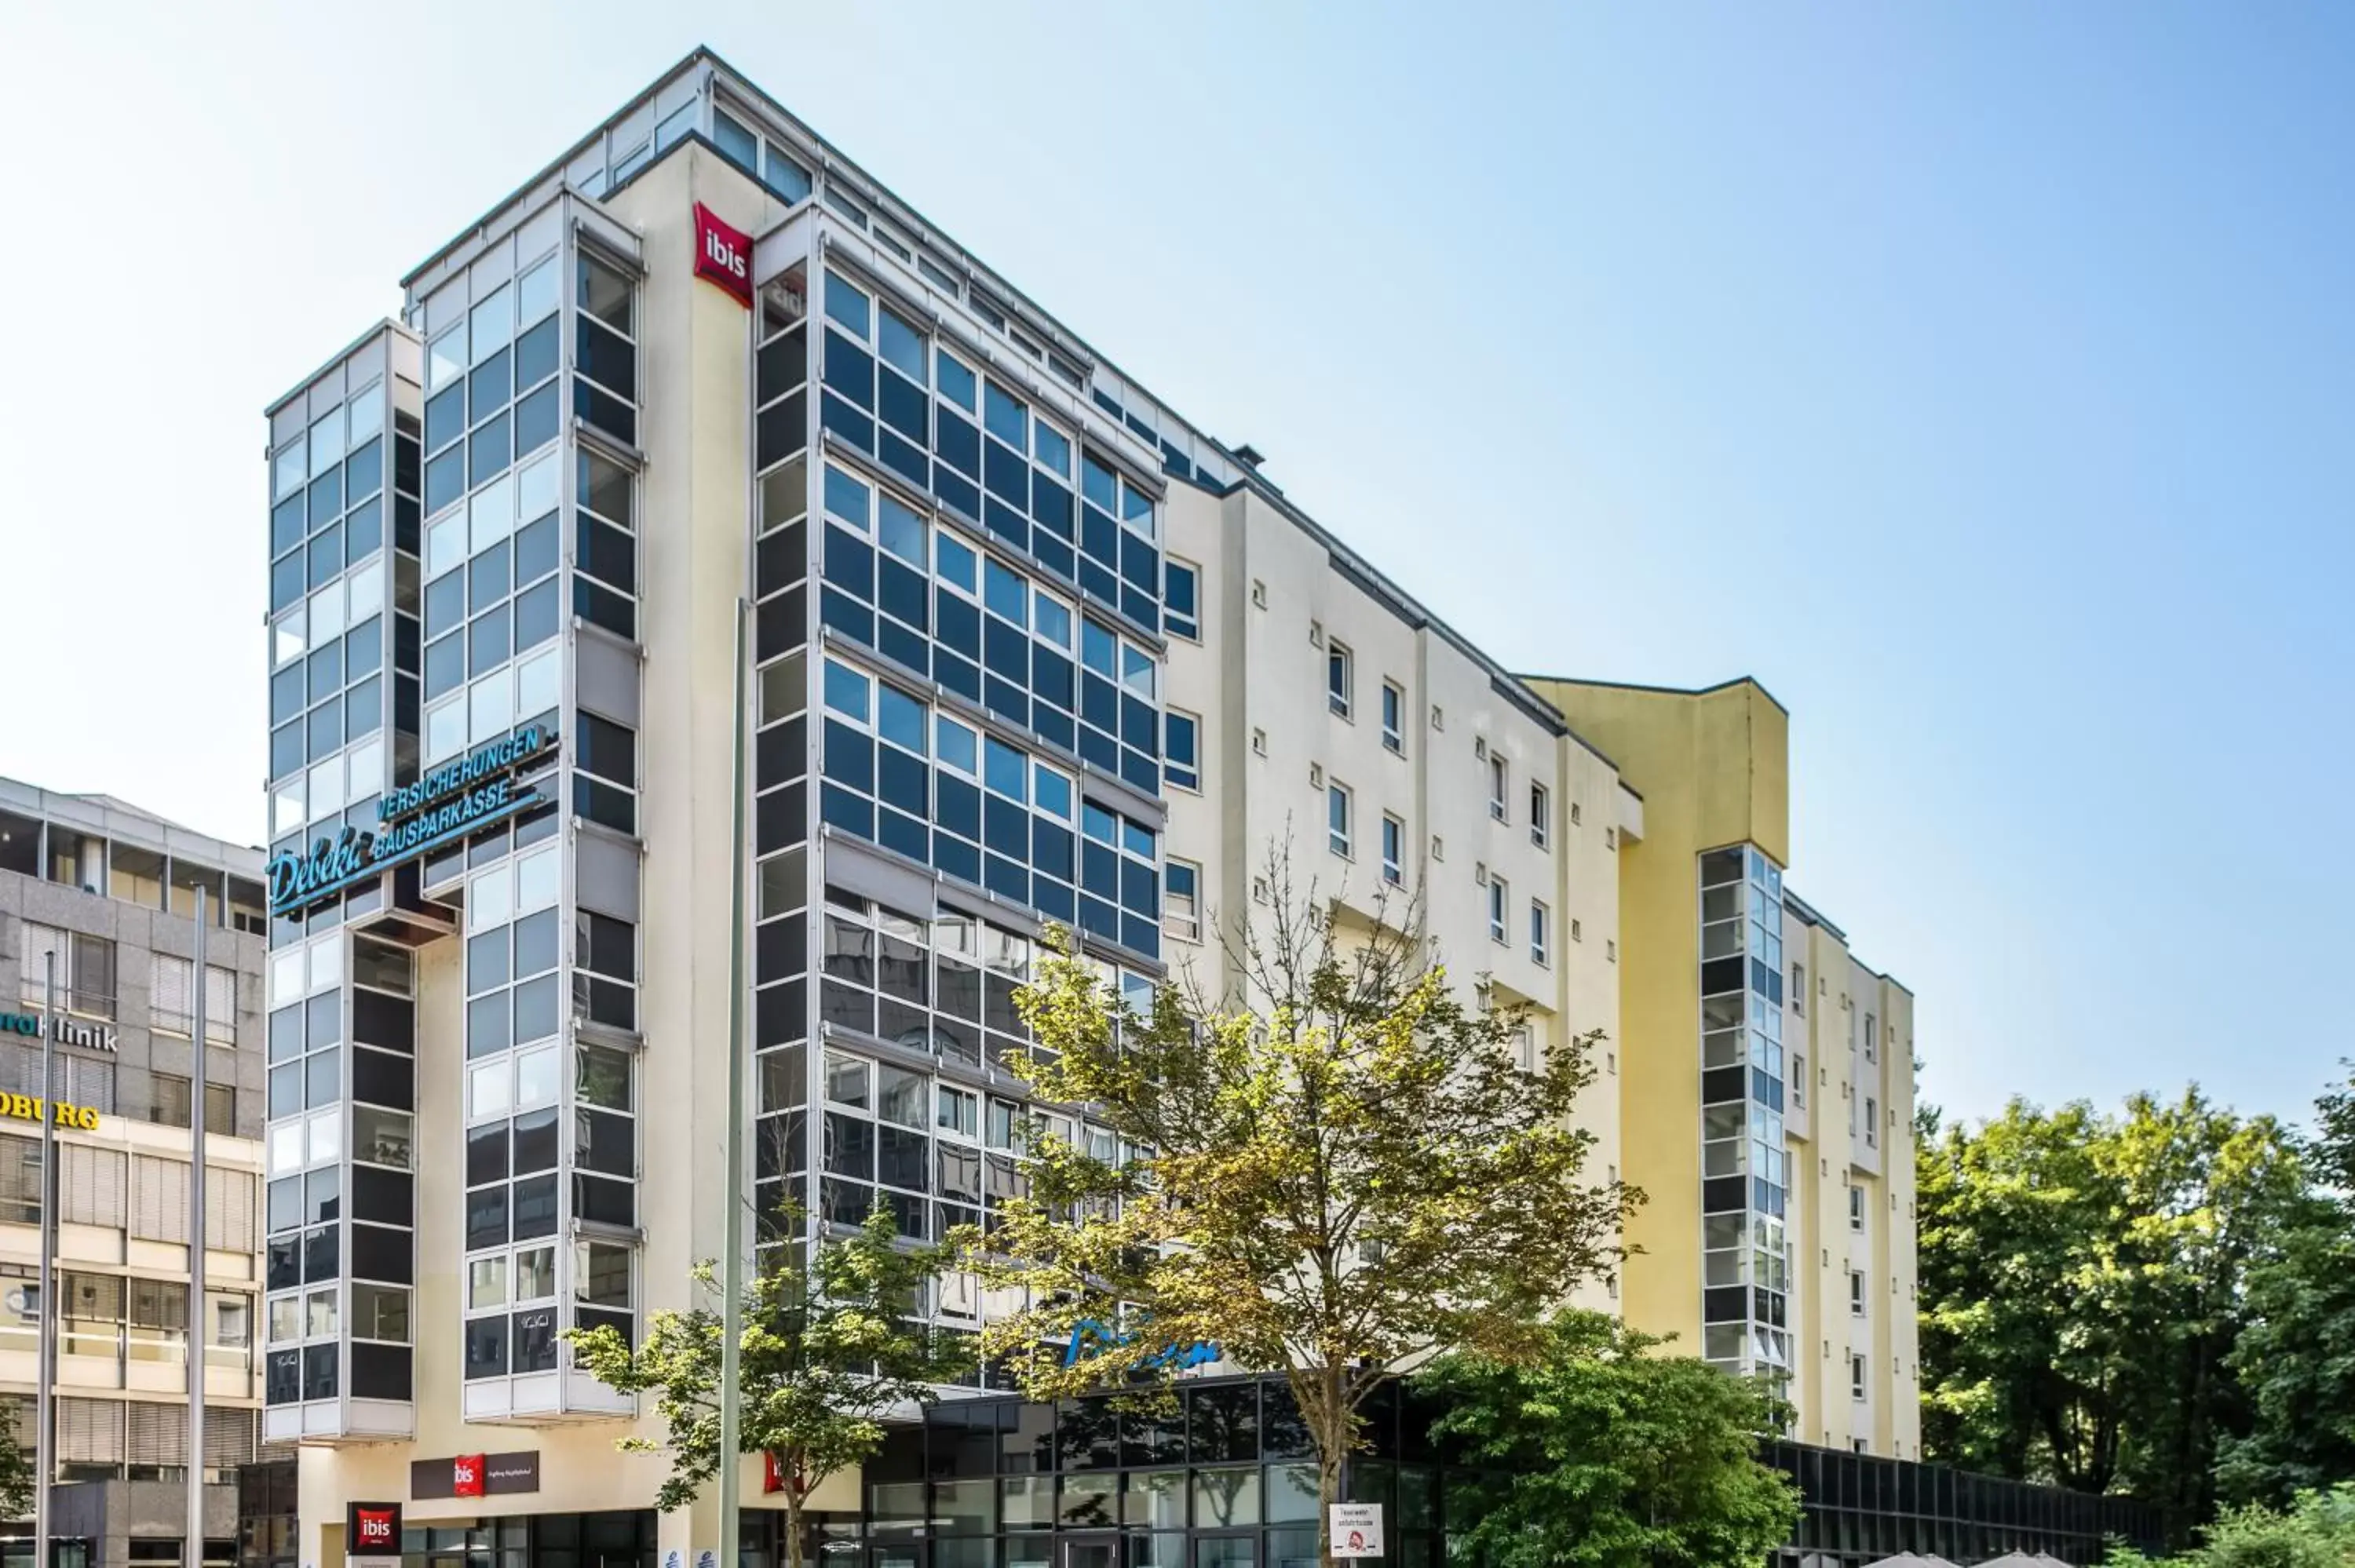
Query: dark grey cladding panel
[
  {"x": 605, "y": 875},
  {"x": 606, "y": 675}
]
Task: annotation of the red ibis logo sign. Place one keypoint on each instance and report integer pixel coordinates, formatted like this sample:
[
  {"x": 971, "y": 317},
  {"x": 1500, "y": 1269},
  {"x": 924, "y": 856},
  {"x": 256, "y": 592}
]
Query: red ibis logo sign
[
  {"x": 724, "y": 254},
  {"x": 372, "y": 1529},
  {"x": 466, "y": 1476}
]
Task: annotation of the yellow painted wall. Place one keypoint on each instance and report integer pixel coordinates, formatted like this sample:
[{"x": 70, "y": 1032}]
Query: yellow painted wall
[{"x": 1713, "y": 768}]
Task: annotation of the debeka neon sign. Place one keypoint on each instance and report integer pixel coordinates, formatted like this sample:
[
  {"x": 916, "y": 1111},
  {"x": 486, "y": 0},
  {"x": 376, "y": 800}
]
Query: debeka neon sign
[
  {"x": 446, "y": 804},
  {"x": 1092, "y": 1338}
]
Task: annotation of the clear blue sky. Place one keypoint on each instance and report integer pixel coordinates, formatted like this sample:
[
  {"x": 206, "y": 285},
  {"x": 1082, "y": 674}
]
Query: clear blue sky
[{"x": 1978, "y": 377}]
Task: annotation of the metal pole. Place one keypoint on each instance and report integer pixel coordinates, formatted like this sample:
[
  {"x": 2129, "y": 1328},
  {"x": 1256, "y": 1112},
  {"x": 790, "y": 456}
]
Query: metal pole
[
  {"x": 732, "y": 1271},
  {"x": 195, "y": 1554},
  {"x": 45, "y": 1369}
]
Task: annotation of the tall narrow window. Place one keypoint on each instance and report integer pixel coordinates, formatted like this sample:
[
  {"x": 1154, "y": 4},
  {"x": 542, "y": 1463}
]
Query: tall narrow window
[
  {"x": 1540, "y": 934},
  {"x": 1394, "y": 717},
  {"x": 1340, "y": 677},
  {"x": 1394, "y": 849},
  {"x": 1336, "y": 818},
  {"x": 1180, "y": 739},
  {"x": 1541, "y": 815},
  {"x": 1500, "y": 900},
  {"x": 1180, "y": 603},
  {"x": 1497, "y": 773},
  {"x": 1181, "y": 909}
]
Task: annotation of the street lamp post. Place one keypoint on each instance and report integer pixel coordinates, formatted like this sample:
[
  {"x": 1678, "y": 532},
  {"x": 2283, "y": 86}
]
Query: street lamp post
[{"x": 46, "y": 1363}]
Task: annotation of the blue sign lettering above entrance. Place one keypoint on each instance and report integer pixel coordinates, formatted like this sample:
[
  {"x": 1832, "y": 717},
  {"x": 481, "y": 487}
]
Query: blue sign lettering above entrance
[
  {"x": 446, "y": 804},
  {"x": 1090, "y": 1338}
]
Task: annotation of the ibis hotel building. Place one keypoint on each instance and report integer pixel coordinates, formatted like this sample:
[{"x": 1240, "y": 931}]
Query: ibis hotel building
[{"x": 1019, "y": 646}]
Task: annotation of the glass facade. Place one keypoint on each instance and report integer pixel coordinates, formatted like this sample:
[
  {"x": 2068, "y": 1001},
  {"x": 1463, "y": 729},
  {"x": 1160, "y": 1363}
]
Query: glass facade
[
  {"x": 957, "y": 667},
  {"x": 339, "y": 1208},
  {"x": 1745, "y": 1161},
  {"x": 425, "y": 609}
]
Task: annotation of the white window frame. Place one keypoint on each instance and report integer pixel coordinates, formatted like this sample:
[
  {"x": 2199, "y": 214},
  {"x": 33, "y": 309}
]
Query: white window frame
[
  {"x": 1540, "y": 934},
  {"x": 1394, "y": 717},
  {"x": 1340, "y": 678},
  {"x": 1339, "y": 837},
  {"x": 1186, "y": 926},
  {"x": 1393, "y": 850},
  {"x": 1499, "y": 785},
  {"x": 1499, "y": 904},
  {"x": 1541, "y": 815}
]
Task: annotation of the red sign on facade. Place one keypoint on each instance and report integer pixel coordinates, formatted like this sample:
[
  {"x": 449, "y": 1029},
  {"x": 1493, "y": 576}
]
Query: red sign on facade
[
  {"x": 724, "y": 254},
  {"x": 773, "y": 1475},
  {"x": 372, "y": 1529},
  {"x": 466, "y": 1476}
]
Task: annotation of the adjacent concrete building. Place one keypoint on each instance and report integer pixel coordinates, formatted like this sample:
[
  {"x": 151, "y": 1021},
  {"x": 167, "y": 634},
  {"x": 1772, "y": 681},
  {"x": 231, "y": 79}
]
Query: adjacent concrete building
[{"x": 111, "y": 890}]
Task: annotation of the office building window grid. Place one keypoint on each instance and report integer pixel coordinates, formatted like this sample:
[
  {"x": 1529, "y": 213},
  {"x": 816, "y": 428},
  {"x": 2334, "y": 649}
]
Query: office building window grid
[
  {"x": 1744, "y": 1158},
  {"x": 890, "y": 391}
]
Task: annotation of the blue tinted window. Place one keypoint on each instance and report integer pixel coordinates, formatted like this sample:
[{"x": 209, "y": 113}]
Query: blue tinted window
[
  {"x": 1135, "y": 839},
  {"x": 1178, "y": 592},
  {"x": 900, "y": 717},
  {"x": 1054, "y": 621},
  {"x": 846, "y": 498},
  {"x": 956, "y": 381},
  {"x": 1006, "y": 418},
  {"x": 1098, "y": 650},
  {"x": 1181, "y": 881},
  {"x": 1054, "y": 793},
  {"x": 1097, "y": 485},
  {"x": 1009, "y": 770},
  {"x": 846, "y": 689},
  {"x": 1006, "y": 594},
  {"x": 1098, "y": 823},
  {"x": 1053, "y": 449},
  {"x": 902, "y": 344},
  {"x": 1178, "y": 740},
  {"x": 956, "y": 745},
  {"x": 957, "y": 564},
  {"x": 845, "y": 304},
  {"x": 901, "y": 531}
]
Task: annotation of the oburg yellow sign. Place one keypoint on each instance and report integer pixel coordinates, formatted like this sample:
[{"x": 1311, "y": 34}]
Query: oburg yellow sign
[{"x": 27, "y": 1108}]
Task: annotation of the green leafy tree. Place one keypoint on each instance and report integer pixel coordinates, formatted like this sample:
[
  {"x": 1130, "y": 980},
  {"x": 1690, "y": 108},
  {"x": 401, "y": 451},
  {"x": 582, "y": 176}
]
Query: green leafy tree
[
  {"x": 824, "y": 1356},
  {"x": 1599, "y": 1454},
  {"x": 18, "y": 1468},
  {"x": 2297, "y": 1357},
  {"x": 1338, "y": 1170},
  {"x": 2084, "y": 1279},
  {"x": 2314, "y": 1530}
]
